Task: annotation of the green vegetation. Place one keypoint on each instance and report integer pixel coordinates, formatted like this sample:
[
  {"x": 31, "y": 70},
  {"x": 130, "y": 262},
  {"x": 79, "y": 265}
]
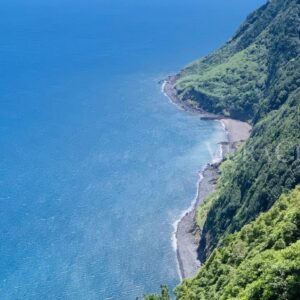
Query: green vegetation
[
  {"x": 267, "y": 47},
  {"x": 232, "y": 88},
  {"x": 255, "y": 71},
  {"x": 265, "y": 167},
  {"x": 250, "y": 226},
  {"x": 163, "y": 296},
  {"x": 204, "y": 208},
  {"x": 262, "y": 261}
]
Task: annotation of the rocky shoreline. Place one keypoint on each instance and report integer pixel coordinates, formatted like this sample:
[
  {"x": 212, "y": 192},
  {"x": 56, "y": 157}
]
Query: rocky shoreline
[
  {"x": 186, "y": 239},
  {"x": 170, "y": 92}
]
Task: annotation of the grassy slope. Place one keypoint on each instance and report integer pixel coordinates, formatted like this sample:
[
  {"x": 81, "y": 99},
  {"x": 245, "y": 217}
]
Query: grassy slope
[
  {"x": 237, "y": 79},
  {"x": 242, "y": 74}
]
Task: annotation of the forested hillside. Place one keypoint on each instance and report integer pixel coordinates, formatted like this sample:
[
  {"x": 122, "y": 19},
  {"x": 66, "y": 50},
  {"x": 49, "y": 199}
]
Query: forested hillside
[
  {"x": 251, "y": 246},
  {"x": 265, "y": 167},
  {"x": 262, "y": 261},
  {"x": 255, "y": 76},
  {"x": 254, "y": 72}
]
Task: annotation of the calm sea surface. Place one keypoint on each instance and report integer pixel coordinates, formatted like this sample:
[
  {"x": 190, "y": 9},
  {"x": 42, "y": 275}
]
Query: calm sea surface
[{"x": 95, "y": 163}]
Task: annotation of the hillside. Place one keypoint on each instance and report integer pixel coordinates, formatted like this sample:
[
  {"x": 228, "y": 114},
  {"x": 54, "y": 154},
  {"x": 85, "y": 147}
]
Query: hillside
[
  {"x": 249, "y": 227},
  {"x": 264, "y": 168},
  {"x": 254, "y": 72},
  {"x": 262, "y": 261},
  {"x": 254, "y": 77}
]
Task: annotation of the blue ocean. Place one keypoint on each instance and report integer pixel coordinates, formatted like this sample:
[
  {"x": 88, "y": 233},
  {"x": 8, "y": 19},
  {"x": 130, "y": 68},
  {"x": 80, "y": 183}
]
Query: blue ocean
[{"x": 96, "y": 164}]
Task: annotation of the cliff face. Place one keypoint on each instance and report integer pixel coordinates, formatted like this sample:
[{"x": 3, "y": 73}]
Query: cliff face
[
  {"x": 254, "y": 77},
  {"x": 264, "y": 168},
  {"x": 249, "y": 227}
]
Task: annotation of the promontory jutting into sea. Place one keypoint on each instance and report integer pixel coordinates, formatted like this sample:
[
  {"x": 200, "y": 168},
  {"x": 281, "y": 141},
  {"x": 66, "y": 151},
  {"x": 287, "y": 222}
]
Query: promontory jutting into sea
[{"x": 100, "y": 173}]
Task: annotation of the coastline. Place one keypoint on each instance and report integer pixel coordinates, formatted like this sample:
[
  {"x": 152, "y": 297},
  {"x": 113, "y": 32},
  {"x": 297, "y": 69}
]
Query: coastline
[{"x": 185, "y": 240}]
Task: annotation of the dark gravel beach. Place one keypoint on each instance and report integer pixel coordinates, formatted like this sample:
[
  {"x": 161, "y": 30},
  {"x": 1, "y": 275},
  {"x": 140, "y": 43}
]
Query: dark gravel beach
[{"x": 186, "y": 239}]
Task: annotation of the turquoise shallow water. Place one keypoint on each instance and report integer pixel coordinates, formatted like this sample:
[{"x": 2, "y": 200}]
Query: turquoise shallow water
[{"x": 95, "y": 163}]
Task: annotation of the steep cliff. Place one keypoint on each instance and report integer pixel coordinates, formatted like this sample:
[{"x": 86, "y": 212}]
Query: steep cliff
[
  {"x": 254, "y": 77},
  {"x": 250, "y": 226}
]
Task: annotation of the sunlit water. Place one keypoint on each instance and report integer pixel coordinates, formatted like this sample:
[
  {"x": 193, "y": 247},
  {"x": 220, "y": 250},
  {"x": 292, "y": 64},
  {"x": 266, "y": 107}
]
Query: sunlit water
[{"x": 96, "y": 164}]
